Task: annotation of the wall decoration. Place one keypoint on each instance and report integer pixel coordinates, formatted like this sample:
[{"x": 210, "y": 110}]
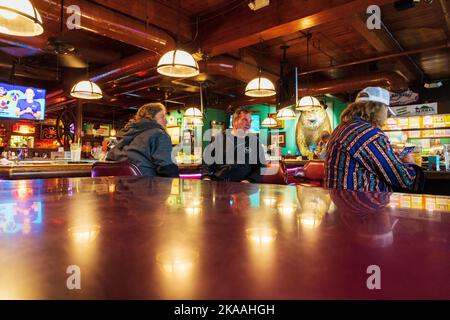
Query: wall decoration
[
  {"x": 416, "y": 109},
  {"x": 48, "y": 132},
  {"x": 277, "y": 139},
  {"x": 310, "y": 126}
]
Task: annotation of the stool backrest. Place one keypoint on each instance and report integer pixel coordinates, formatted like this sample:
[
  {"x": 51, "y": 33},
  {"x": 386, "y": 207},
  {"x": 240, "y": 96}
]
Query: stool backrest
[
  {"x": 115, "y": 168},
  {"x": 314, "y": 170}
]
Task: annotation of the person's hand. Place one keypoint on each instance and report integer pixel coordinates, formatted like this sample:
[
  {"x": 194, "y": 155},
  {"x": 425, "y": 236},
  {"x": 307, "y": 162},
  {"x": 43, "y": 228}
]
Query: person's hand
[
  {"x": 28, "y": 110},
  {"x": 245, "y": 181}
]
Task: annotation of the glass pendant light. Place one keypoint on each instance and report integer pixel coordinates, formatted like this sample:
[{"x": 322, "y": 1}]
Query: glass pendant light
[
  {"x": 286, "y": 114},
  {"x": 86, "y": 90},
  {"x": 308, "y": 103},
  {"x": 269, "y": 123},
  {"x": 20, "y": 18},
  {"x": 113, "y": 131},
  {"x": 260, "y": 87},
  {"x": 196, "y": 122},
  {"x": 179, "y": 64},
  {"x": 193, "y": 113}
]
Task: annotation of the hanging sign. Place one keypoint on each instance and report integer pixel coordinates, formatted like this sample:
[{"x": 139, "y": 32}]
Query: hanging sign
[
  {"x": 416, "y": 109},
  {"x": 402, "y": 98}
]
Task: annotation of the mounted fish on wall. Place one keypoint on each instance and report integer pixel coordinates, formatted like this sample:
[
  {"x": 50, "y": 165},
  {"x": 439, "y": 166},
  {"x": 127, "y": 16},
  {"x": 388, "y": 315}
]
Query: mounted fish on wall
[{"x": 310, "y": 126}]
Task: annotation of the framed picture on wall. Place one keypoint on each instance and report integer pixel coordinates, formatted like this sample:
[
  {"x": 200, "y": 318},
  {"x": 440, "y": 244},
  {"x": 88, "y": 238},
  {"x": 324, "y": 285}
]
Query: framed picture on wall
[
  {"x": 278, "y": 139},
  {"x": 175, "y": 134},
  {"x": 280, "y": 123}
]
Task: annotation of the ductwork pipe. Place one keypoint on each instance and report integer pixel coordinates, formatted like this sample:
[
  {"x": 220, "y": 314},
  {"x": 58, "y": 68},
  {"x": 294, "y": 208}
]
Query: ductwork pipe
[
  {"x": 108, "y": 23},
  {"x": 145, "y": 62},
  {"x": 233, "y": 69},
  {"x": 392, "y": 81}
]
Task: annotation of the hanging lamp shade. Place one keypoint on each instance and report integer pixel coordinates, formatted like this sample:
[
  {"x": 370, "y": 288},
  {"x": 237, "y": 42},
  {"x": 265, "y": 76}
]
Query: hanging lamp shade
[
  {"x": 113, "y": 132},
  {"x": 193, "y": 113},
  {"x": 20, "y": 18},
  {"x": 196, "y": 122},
  {"x": 86, "y": 90},
  {"x": 307, "y": 103},
  {"x": 269, "y": 123},
  {"x": 178, "y": 63},
  {"x": 260, "y": 87},
  {"x": 286, "y": 114}
]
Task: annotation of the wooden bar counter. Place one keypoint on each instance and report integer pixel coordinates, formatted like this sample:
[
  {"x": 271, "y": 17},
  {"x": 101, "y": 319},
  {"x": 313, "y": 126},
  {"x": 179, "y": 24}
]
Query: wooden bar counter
[
  {"x": 46, "y": 169},
  {"x": 161, "y": 238}
]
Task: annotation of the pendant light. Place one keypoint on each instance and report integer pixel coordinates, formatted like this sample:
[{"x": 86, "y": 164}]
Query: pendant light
[
  {"x": 178, "y": 63},
  {"x": 20, "y": 18},
  {"x": 308, "y": 102},
  {"x": 86, "y": 89},
  {"x": 286, "y": 114},
  {"x": 113, "y": 131},
  {"x": 193, "y": 113},
  {"x": 269, "y": 123},
  {"x": 260, "y": 87}
]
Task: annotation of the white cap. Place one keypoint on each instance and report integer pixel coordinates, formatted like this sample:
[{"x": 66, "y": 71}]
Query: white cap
[{"x": 375, "y": 94}]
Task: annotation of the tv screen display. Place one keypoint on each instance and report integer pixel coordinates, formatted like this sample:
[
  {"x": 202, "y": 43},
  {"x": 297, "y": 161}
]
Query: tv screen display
[
  {"x": 255, "y": 127},
  {"x": 22, "y": 102}
]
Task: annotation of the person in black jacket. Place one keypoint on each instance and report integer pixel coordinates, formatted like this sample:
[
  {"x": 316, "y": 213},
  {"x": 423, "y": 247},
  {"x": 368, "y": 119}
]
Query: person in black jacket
[
  {"x": 145, "y": 142},
  {"x": 236, "y": 155}
]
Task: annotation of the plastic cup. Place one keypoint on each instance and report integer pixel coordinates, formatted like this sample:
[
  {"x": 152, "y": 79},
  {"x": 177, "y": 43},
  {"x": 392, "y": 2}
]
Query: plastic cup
[{"x": 75, "y": 152}]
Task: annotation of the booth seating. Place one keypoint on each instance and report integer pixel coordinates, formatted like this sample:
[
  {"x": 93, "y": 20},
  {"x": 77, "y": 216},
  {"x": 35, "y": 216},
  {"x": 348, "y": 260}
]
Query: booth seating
[
  {"x": 312, "y": 174},
  {"x": 115, "y": 168},
  {"x": 281, "y": 174}
]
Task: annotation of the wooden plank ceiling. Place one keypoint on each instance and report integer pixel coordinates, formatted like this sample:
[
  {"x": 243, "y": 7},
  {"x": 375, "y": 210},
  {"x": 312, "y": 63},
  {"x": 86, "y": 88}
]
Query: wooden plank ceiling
[{"x": 217, "y": 29}]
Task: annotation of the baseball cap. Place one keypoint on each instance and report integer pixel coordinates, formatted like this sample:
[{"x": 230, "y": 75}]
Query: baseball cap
[{"x": 375, "y": 94}]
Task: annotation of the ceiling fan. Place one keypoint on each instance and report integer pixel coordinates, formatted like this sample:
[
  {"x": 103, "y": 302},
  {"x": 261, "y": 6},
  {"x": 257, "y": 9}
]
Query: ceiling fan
[{"x": 66, "y": 53}]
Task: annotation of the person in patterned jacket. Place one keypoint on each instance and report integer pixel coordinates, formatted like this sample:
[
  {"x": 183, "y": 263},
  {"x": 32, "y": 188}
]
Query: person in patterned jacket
[{"x": 359, "y": 155}]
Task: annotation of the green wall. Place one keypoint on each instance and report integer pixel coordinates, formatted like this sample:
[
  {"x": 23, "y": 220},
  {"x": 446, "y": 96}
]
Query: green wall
[{"x": 211, "y": 114}]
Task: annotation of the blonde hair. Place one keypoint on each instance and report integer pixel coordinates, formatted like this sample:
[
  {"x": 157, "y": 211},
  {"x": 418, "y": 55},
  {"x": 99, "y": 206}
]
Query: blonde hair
[
  {"x": 149, "y": 111},
  {"x": 367, "y": 110}
]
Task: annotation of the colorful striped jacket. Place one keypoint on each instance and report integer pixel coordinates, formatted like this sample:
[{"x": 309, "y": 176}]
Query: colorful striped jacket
[{"x": 360, "y": 157}]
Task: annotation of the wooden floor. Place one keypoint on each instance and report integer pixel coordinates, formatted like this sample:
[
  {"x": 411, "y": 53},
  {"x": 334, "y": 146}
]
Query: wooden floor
[{"x": 160, "y": 238}]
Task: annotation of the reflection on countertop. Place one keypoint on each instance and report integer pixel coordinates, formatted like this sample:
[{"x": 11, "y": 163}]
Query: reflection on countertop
[{"x": 162, "y": 238}]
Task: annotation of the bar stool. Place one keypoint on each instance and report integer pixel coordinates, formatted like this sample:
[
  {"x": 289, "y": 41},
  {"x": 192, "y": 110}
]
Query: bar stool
[
  {"x": 312, "y": 174},
  {"x": 115, "y": 168}
]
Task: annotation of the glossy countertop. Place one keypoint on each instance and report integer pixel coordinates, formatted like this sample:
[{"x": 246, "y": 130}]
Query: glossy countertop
[{"x": 161, "y": 238}]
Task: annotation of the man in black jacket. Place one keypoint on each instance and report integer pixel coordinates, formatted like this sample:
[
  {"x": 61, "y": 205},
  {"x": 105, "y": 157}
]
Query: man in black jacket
[{"x": 237, "y": 155}]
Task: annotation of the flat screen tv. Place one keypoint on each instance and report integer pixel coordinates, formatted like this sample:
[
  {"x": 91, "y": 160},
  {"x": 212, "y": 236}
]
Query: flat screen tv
[
  {"x": 19, "y": 102},
  {"x": 255, "y": 127}
]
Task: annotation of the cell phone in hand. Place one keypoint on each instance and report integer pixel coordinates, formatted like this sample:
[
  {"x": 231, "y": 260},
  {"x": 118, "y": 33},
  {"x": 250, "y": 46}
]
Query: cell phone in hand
[{"x": 405, "y": 151}]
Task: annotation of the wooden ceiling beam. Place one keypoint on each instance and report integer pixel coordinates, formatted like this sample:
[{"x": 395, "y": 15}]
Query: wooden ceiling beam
[
  {"x": 155, "y": 13},
  {"x": 382, "y": 43},
  {"x": 245, "y": 27}
]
